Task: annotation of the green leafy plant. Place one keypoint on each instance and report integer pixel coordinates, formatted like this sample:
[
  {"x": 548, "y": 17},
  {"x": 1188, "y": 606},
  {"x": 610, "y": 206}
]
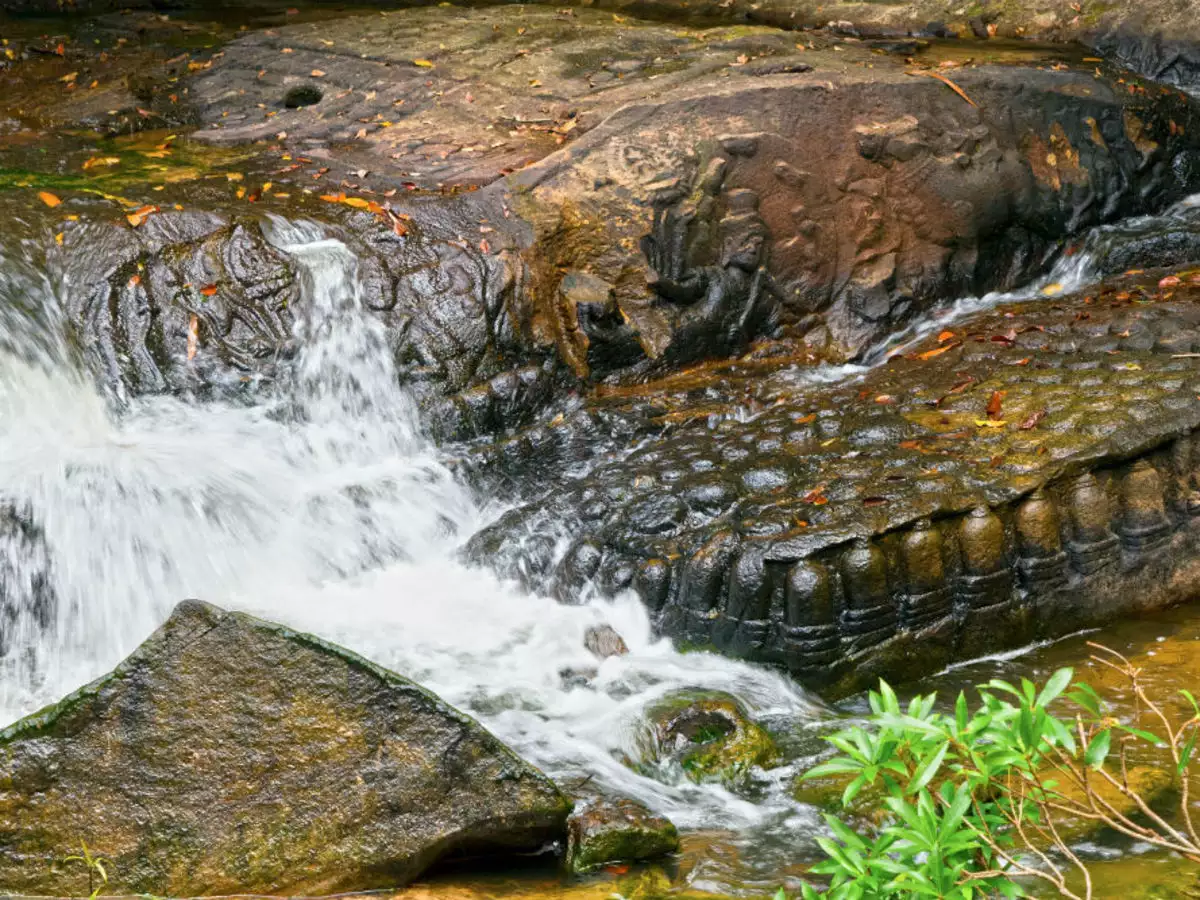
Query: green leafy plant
[
  {"x": 980, "y": 801},
  {"x": 97, "y": 869}
]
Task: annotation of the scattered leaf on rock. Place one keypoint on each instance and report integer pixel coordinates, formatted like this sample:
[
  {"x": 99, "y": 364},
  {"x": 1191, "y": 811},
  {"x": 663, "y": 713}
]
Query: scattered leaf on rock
[
  {"x": 423, "y": 63},
  {"x": 995, "y": 403},
  {"x": 1033, "y": 421},
  {"x": 938, "y": 351},
  {"x": 874, "y": 501},
  {"x": 209, "y": 290},
  {"x": 138, "y": 217},
  {"x": 49, "y": 199}
]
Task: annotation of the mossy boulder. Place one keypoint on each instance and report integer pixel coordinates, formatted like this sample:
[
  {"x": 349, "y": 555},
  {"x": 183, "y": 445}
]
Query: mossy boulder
[
  {"x": 231, "y": 756},
  {"x": 710, "y": 736},
  {"x": 604, "y": 831}
]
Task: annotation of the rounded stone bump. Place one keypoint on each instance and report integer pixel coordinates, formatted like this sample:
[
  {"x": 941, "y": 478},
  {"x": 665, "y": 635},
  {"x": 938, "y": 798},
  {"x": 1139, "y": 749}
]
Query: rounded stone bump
[
  {"x": 922, "y": 554},
  {"x": 653, "y": 583},
  {"x": 808, "y": 595},
  {"x": 1089, "y": 510},
  {"x": 864, "y": 574},
  {"x": 749, "y": 592},
  {"x": 704, "y": 574},
  {"x": 1181, "y": 457},
  {"x": 1039, "y": 529},
  {"x": 981, "y": 537},
  {"x": 1142, "y": 503},
  {"x": 583, "y": 561}
]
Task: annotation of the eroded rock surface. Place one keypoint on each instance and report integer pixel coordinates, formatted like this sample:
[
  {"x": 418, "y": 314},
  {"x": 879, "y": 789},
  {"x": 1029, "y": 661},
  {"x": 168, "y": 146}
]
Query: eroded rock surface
[
  {"x": 1026, "y": 471},
  {"x": 717, "y": 183},
  {"x": 229, "y": 755}
]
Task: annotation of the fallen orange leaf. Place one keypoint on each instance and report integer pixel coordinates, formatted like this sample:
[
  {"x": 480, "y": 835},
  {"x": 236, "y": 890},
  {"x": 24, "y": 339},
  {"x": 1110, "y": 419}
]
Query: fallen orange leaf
[
  {"x": 139, "y": 216},
  {"x": 49, "y": 199},
  {"x": 209, "y": 290}
]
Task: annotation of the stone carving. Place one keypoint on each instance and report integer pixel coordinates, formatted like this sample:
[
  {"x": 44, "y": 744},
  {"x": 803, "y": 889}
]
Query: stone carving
[{"x": 708, "y": 259}]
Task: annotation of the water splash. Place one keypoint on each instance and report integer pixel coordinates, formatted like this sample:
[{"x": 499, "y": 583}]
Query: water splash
[{"x": 326, "y": 510}]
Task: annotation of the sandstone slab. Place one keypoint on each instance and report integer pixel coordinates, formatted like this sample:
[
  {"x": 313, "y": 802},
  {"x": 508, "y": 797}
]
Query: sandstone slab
[{"x": 228, "y": 755}]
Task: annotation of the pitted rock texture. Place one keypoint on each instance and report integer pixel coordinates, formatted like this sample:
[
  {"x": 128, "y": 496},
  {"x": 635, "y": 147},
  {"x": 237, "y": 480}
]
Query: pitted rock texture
[
  {"x": 216, "y": 285},
  {"x": 689, "y": 190},
  {"x": 228, "y": 755},
  {"x": 1023, "y": 472}
]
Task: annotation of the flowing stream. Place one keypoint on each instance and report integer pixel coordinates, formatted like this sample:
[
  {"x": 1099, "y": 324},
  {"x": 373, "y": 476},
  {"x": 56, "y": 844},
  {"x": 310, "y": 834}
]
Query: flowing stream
[{"x": 325, "y": 509}]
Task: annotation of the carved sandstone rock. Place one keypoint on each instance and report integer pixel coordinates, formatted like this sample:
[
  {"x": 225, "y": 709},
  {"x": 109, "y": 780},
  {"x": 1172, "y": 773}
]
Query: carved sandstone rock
[
  {"x": 229, "y": 755},
  {"x": 888, "y": 525}
]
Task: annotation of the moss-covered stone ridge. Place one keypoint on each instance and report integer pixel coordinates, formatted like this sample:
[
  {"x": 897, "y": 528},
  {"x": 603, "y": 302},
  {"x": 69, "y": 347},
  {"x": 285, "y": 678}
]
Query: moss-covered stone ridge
[
  {"x": 603, "y": 831},
  {"x": 229, "y": 755}
]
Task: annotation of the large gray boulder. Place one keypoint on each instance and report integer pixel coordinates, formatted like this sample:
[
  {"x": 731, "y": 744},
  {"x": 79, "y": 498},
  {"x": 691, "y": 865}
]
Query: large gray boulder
[{"x": 229, "y": 755}]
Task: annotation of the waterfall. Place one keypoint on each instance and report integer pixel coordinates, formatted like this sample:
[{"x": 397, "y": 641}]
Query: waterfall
[{"x": 323, "y": 508}]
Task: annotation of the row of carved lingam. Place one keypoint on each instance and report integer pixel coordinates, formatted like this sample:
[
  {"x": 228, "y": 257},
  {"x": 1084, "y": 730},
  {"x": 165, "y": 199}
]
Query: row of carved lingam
[{"x": 813, "y": 613}]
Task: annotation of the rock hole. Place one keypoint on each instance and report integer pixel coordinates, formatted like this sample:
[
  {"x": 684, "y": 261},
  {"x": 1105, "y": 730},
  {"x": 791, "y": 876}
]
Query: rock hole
[{"x": 304, "y": 95}]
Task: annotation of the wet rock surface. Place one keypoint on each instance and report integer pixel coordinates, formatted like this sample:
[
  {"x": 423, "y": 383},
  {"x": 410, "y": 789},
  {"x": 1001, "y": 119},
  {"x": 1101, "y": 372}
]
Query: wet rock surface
[
  {"x": 710, "y": 736},
  {"x": 603, "y": 831},
  {"x": 228, "y": 755},
  {"x": 1012, "y": 476},
  {"x": 687, "y": 185},
  {"x": 648, "y": 197}
]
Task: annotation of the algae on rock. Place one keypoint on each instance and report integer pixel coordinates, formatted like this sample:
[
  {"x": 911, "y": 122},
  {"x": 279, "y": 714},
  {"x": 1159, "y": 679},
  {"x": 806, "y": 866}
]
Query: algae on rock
[{"x": 229, "y": 755}]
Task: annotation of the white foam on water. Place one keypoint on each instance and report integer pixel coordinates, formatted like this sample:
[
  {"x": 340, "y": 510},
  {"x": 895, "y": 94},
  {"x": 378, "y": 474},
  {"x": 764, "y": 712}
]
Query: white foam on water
[{"x": 327, "y": 511}]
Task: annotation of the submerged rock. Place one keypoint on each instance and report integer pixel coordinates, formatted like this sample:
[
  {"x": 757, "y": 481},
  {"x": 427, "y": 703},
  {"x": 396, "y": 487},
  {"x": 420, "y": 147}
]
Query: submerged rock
[
  {"x": 606, "y": 831},
  {"x": 229, "y": 755},
  {"x": 711, "y": 736}
]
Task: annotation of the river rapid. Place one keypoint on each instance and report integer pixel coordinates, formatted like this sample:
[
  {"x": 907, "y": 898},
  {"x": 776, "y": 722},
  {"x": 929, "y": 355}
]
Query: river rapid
[{"x": 324, "y": 507}]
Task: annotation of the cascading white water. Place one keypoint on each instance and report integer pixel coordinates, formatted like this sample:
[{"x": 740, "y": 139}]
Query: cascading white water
[{"x": 327, "y": 511}]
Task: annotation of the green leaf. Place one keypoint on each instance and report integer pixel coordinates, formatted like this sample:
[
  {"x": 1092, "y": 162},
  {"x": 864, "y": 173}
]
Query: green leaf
[
  {"x": 781, "y": 894},
  {"x": 1185, "y": 755},
  {"x": 1187, "y": 695},
  {"x": 1058, "y": 683},
  {"x": 1083, "y": 695},
  {"x": 838, "y": 766},
  {"x": 961, "y": 713},
  {"x": 927, "y": 769},
  {"x": 1097, "y": 749}
]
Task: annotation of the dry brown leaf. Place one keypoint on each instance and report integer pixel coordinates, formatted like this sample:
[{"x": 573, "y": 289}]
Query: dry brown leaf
[
  {"x": 138, "y": 217},
  {"x": 1033, "y": 421},
  {"x": 938, "y": 351},
  {"x": 946, "y": 81},
  {"x": 995, "y": 403}
]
